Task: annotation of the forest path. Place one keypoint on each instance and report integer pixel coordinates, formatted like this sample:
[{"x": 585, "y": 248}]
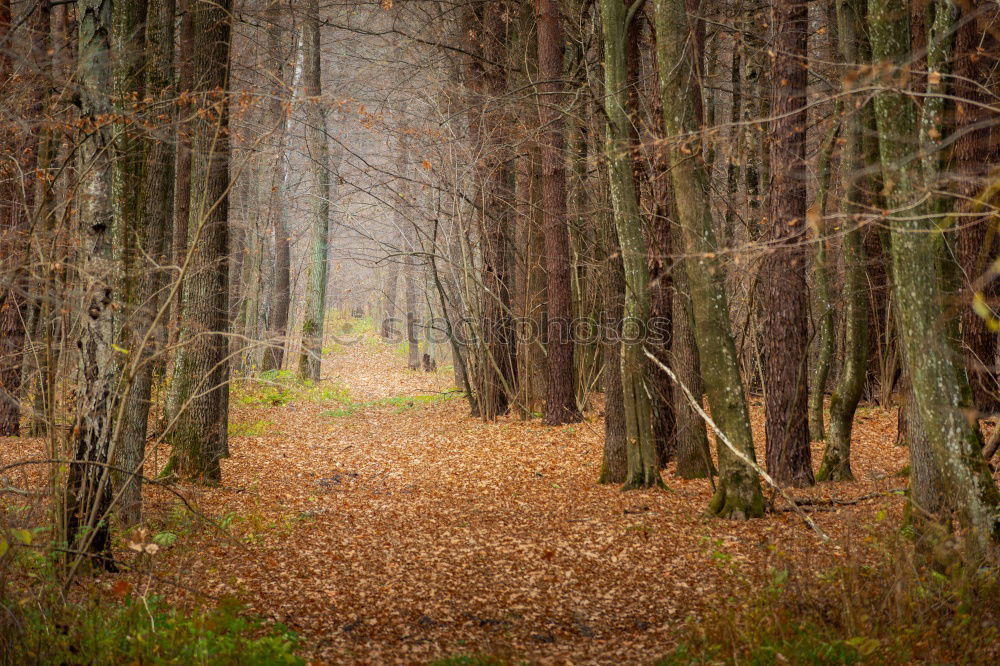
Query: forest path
[{"x": 388, "y": 527}]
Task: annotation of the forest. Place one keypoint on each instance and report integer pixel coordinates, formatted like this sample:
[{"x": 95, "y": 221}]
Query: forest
[{"x": 483, "y": 332}]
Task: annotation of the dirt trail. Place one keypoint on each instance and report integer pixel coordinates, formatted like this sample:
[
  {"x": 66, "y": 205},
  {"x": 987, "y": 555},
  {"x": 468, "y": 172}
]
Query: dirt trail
[{"x": 401, "y": 530}]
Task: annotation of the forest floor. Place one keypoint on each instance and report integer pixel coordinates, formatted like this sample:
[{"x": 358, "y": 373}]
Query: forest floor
[{"x": 373, "y": 516}]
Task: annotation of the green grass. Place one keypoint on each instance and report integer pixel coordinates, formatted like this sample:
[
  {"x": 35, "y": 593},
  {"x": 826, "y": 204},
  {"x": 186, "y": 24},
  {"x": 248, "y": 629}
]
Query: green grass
[
  {"x": 140, "y": 630},
  {"x": 256, "y": 428},
  {"x": 399, "y": 403},
  {"x": 276, "y": 388}
]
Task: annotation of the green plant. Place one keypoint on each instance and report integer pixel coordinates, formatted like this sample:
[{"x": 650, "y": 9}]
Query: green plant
[
  {"x": 253, "y": 429},
  {"x": 139, "y": 629}
]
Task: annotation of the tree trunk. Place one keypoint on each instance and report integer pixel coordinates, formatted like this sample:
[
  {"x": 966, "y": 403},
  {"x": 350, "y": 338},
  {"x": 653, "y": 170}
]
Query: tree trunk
[
  {"x": 486, "y": 76},
  {"x": 182, "y": 171},
  {"x": 614, "y": 463},
  {"x": 836, "y": 464},
  {"x": 694, "y": 460},
  {"x": 786, "y": 345},
  {"x": 200, "y": 387},
  {"x": 954, "y": 443},
  {"x": 643, "y": 459},
  {"x": 313, "y": 322},
  {"x": 738, "y": 494},
  {"x": 560, "y": 395},
  {"x": 277, "y": 324},
  {"x": 88, "y": 486},
  {"x": 137, "y": 286},
  {"x": 976, "y": 153}
]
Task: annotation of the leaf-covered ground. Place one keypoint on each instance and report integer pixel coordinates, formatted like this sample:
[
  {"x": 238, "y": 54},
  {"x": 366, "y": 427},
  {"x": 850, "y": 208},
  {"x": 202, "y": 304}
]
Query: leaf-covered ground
[{"x": 377, "y": 519}]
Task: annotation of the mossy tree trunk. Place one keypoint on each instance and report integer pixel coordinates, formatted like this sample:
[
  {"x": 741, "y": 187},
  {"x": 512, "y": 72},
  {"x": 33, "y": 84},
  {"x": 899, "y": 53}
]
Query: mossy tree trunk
[
  {"x": 643, "y": 459},
  {"x": 836, "y": 464},
  {"x": 614, "y": 462},
  {"x": 738, "y": 494},
  {"x": 937, "y": 391},
  {"x": 310, "y": 360}
]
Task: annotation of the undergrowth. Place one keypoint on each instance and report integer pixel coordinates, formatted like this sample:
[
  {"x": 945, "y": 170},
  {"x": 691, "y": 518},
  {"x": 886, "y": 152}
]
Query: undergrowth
[
  {"x": 275, "y": 388},
  {"x": 399, "y": 403},
  {"x": 138, "y": 630},
  {"x": 898, "y": 606}
]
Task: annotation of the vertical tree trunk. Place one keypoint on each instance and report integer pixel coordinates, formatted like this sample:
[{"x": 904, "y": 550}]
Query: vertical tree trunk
[
  {"x": 530, "y": 285},
  {"x": 643, "y": 459},
  {"x": 88, "y": 487},
  {"x": 694, "y": 459},
  {"x": 182, "y": 175},
  {"x": 313, "y": 323},
  {"x": 786, "y": 344},
  {"x": 17, "y": 158},
  {"x": 128, "y": 182},
  {"x": 200, "y": 386},
  {"x": 486, "y": 76},
  {"x": 738, "y": 494},
  {"x": 614, "y": 463},
  {"x": 955, "y": 445},
  {"x": 836, "y": 464},
  {"x": 976, "y": 153},
  {"x": 560, "y": 395},
  {"x": 390, "y": 289}
]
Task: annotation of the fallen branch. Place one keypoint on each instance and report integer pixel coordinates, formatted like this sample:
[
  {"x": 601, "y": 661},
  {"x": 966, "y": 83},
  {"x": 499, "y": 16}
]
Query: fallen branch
[{"x": 721, "y": 436}]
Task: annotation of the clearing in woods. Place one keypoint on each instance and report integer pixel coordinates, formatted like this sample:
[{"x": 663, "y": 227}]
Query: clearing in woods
[{"x": 376, "y": 518}]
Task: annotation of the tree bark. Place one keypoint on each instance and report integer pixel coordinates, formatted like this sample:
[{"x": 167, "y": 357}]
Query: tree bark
[
  {"x": 88, "y": 486},
  {"x": 836, "y": 464},
  {"x": 560, "y": 395},
  {"x": 786, "y": 345},
  {"x": 614, "y": 462},
  {"x": 976, "y": 152},
  {"x": 200, "y": 387},
  {"x": 132, "y": 236},
  {"x": 738, "y": 494},
  {"x": 643, "y": 459},
  {"x": 955, "y": 445},
  {"x": 313, "y": 323}
]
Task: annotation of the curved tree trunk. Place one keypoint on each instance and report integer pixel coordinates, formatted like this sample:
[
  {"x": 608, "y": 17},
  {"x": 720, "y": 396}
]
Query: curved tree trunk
[
  {"x": 643, "y": 459},
  {"x": 954, "y": 443},
  {"x": 836, "y": 464}
]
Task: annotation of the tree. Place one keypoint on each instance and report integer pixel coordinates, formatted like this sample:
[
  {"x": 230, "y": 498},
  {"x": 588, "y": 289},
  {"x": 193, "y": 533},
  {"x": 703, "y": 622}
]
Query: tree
[
  {"x": 976, "y": 152},
  {"x": 281, "y": 297},
  {"x": 200, "y": 391},
  {"x": 836, "y": 464},
  {"x": 486, "y": 75},
  {"x": 643, "y": 458},
  {"x": 319, "y": 157},
  {"x": 786, "y": 344},
  {"x": 954, "y": 443},
  {"x": 88, "y": 486},
  {"x": 17, "y": 157},
  {"x": 560, "y": 400},
  {"x": 738, "y": 494}
]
